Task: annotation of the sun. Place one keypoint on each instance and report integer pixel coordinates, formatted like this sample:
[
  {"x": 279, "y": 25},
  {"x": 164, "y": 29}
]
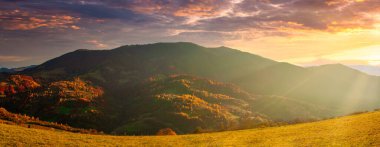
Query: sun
[
  {"x": 370, "y": 55},
  {"x": 374, "y": 63}
]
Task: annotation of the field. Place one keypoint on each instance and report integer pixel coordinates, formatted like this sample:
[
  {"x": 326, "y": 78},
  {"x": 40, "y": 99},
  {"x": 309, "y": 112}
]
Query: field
[{"x": 355, "y": 130}]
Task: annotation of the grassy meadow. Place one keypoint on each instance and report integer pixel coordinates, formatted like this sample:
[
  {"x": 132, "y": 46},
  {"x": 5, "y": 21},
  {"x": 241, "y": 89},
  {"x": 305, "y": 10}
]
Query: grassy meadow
[{"x": 355, "y": 130}]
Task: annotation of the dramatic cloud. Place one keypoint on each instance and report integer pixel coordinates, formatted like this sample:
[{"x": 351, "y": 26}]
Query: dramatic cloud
[
  {"x": 286, "y": 30},
  {"x": 328, "y": 15},
  {"x": 23, "y": 20},
  {"x": 97, "y": 43},
  {"x": 181, "y": 8}
]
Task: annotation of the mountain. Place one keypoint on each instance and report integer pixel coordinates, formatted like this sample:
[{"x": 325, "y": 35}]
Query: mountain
[
  {"x": 326, "y": 85},
  {"x": 12, "y": 70},
  {"x": 186, "y": 87},
  {"x": 5, "y": 70},
  {"x": 355, "y": 130},
  {"x": 372, "y": 70},
  {"x": 19, "y": 69}
]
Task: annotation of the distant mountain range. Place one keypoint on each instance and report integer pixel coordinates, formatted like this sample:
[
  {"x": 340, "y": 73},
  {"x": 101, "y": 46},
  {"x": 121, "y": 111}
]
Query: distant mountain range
[
  {"x": 7, "y": 70},
  {"x": 185, "y": 87},
  {"x": 11, "y": 70},
  {"x": 372, "y": 70}
]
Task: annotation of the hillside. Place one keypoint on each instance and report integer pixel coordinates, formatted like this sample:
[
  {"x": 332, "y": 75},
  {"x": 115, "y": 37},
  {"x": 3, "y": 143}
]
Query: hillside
[
  {"x": 34, "y": 122},
  {"x": 334, "y": 87},
  {"x": 182, "y": 102},
  {"x": 73, "y": 102},
  {"x": 356, "y": 130},
  {"x": 140, "y": 89}
]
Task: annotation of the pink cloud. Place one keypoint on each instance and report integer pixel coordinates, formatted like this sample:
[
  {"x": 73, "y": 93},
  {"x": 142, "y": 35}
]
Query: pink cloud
[{"x": 23, "y": 20}]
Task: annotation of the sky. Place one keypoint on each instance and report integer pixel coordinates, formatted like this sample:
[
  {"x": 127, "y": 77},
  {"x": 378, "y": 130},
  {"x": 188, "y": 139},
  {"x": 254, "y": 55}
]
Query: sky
[{"x": 302, "y": 32}]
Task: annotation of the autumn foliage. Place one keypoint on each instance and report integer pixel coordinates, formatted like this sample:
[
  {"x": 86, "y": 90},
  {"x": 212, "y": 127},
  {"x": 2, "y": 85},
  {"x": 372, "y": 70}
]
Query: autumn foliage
[
  {"x": 17, "y": 83},
  {"x": 183, "y": 101},
  {"x": 76, "y": 89},
  {"x": 187, "y": 102},
  {"x": 61, "y": 101}
]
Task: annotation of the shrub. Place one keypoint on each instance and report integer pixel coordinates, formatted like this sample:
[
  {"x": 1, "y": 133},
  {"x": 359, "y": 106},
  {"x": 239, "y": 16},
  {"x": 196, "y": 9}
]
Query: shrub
[
  {"x": 198, "y": 130},
  {"x": 166, "y": 131}
]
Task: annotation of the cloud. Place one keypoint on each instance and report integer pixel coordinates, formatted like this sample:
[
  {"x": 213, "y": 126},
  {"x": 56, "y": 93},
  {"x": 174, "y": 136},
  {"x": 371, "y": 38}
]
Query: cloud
[
  {"x": 24, "y": 20},
  {"x": 12, "y": 58},
  {"x": 97, "y": 43},
  {"x": 280, "y": 29},
  {"x": 323, "y": 61},
  {"x": 182, "y": 8},
  {"x": 213, "y": 15},
  {"x": 327, "y": 15}
]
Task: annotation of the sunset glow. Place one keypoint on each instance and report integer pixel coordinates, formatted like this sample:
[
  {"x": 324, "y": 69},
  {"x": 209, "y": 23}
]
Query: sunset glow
[
  {"x": 190, "y": 73},
  {"x": 303, "y": 32}
]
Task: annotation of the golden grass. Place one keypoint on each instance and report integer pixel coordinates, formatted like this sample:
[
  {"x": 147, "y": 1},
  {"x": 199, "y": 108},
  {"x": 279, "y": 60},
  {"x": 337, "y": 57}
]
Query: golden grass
[{"x": 356, "y": 130}]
